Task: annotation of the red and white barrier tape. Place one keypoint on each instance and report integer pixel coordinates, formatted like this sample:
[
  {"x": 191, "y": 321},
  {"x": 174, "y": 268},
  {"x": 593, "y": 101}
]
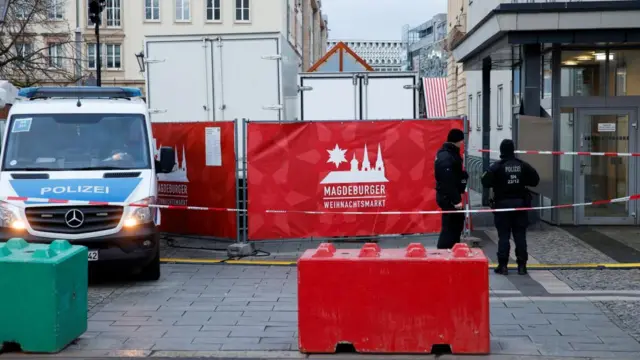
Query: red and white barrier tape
[
  {"x": 418, "y": 212},
  {"x": 573, "y": 153}
]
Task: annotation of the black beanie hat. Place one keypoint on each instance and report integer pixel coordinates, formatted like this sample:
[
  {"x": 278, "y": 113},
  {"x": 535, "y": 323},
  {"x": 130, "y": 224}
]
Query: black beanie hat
[
  {"x": 507, "y": 148},
  {"x": 455, "y": 135}
]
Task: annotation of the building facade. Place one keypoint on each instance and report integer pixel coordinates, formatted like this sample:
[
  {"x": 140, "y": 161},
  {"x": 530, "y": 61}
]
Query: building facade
[
  {"x": 156, "y": 17},
  {"x": 425, "y": 50},
  {"x": 123, "y": 30},
  {"x": 539, "y": 72},
  {"x": 456, "y": 79},
  {"x": 380, "y": 55},
  {"x": 314, "y": 41}
]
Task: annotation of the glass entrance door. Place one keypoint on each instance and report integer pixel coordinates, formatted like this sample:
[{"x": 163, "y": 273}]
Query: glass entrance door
[{"x": 606, "y": 177}]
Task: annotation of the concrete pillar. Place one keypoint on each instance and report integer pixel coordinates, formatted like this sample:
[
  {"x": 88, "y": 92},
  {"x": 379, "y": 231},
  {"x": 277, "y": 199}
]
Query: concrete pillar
[{"x": 486, "y": 120}]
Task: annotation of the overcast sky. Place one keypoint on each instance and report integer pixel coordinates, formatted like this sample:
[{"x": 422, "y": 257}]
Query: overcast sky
[{"x": 377, "y": 19}]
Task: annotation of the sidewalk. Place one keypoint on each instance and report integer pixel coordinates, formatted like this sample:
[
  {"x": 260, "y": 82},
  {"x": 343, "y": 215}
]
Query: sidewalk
[
  {"x": 236, "y": 311},
  {"x": 250, "y": 311}
]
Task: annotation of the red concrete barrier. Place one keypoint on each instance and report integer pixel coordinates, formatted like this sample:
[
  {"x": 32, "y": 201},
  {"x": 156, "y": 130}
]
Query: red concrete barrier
[{"x": 393, "y": 300}]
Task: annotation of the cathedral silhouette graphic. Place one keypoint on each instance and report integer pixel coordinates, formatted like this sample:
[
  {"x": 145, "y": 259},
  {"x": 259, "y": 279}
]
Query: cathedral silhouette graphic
[
  {"x": 179, "y": 173},
  {"x": 359, "y": 173}
]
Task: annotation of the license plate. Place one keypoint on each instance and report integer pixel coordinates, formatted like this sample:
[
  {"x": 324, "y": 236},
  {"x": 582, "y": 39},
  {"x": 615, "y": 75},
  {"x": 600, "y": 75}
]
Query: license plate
[{"x": 93, "y": 255}]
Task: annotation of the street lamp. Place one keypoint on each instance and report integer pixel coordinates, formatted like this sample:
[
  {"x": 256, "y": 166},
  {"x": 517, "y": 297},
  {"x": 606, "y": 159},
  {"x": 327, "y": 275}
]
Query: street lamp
[
  {"x": 95, "y": 15},
  {"x": 140, "y": 58}
]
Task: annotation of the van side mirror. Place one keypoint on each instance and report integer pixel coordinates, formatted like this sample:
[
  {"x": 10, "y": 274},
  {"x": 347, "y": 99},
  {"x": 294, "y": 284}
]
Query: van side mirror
[{"x": 167, "y": 160}]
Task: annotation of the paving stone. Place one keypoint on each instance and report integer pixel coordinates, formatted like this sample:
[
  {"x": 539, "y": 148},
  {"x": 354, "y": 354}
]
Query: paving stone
[
  {"x": 262, "y": 334},
  {"x": 233, "y": 328},
  {"x": 183, "y": 344},
  {"x": 607, "y": 331},
  {"x": 139, "y": 344},
  {"x": 540, "y": 329},
  {"x": 101, "y": 343},
  {"x": 107, "y": 316},
  {"x": 587, "y": 339},
  {"x": 619, "y": 347},
  {"x": 226, "y": 340},
  {"x": 283, "y": 316},
  {"x": 259, "y": 346},
  {"x": 244, "y": 308},
  {"x": 158, "y": 313},
  {"x": 531, "y": 320},
  {"x": 216, "y": 334}
]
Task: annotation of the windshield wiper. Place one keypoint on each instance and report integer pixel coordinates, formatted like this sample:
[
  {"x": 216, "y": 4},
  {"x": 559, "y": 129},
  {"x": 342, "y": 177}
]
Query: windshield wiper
[
  {"x": 98, "y": 168},
  {"x": 31, "y": 169}
]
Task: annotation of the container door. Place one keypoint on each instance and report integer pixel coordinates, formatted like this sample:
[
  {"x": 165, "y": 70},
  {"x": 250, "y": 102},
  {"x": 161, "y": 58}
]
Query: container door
[
  {"x": 179, "y": 81},
  {"x": 330, "y": 98},
  {"x": 388, "y": 97},
  {"x": 247, "y": 79}
]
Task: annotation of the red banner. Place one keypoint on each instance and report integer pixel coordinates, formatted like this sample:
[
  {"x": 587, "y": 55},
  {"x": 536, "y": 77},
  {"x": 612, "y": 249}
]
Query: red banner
[
  {"x": 343, "y": 166},
  {"x": 205, "y": 176}
]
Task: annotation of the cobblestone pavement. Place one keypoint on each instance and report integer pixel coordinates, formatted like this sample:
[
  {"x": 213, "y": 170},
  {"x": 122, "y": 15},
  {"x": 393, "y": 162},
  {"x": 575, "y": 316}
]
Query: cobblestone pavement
[
  {"x": 552, "y": 245},
  {"x": 251, "y": 312}
]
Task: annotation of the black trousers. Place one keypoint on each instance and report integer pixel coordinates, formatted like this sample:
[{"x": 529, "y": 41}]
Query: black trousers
[
  {"x": 512, "y": 223},
  {"x": 452, "y": 226}
]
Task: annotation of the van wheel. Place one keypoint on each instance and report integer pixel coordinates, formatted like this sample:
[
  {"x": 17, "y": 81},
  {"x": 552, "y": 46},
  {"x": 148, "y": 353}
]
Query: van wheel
[{"x": 151, "y": 272}]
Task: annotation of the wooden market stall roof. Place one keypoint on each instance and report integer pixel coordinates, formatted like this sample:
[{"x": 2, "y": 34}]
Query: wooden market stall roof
[{"x": 340, "y": 58}]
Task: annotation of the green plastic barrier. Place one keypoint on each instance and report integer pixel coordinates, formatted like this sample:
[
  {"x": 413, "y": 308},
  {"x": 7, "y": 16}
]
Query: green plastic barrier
[{"x": 43, "y": 294}]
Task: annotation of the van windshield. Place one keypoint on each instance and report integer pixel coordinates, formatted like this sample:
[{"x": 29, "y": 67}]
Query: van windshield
[{"x": 57, "y": 142}]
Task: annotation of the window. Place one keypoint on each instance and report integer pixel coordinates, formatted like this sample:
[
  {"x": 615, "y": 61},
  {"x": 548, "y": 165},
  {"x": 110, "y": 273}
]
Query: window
[
  {"x": 21, "y": 11},
  {"x": 242, "y": 10},
  {"x": 111, "y": 56},
  {"x": 114, "y": 55},
  {"x": 213, "y": 10},
  {"x": 92, "y": 64},
  {"x": 55, "y": 55},
  {"x": 113, "y": 11},
  {"x": 479, "y": 112},
  {"x": 499, "y": 109},
  {"x": 56, "y": 10},
  {"x": 23, "y": 50},
  {"x": 152, "y": 10},
  {"x": 183, "y": 10}
]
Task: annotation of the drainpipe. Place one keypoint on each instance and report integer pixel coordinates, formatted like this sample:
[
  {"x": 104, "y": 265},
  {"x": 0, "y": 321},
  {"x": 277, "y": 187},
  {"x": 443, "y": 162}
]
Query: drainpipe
[{"x": 78, "y": 41}]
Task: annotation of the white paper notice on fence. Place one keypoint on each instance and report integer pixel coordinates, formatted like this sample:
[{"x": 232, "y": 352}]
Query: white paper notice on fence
[
  {"x": 212, "y": 146},
  {"x": 607, "y": 127}
]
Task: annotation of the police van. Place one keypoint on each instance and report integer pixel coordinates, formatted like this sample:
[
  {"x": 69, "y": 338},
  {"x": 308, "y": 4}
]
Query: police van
[{"x": 90, "y": 150}]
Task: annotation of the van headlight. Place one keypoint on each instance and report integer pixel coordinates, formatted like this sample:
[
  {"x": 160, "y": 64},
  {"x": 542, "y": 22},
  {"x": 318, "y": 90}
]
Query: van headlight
[
  {"x": 142, "y": 214},
  {"x": 9, "y": 216}
]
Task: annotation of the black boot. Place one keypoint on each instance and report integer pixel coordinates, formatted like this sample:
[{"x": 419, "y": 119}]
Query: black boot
[
  {"x": 502, "y": 268},
  {"x": 522, "y": 268}
]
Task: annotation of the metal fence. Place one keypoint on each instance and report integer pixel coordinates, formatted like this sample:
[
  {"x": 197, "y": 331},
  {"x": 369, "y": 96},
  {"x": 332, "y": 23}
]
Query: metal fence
[{"x": 243, "y": 196}]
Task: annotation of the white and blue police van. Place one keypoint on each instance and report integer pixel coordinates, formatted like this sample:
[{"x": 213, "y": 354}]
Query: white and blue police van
[{"x": 92, "y": 145}]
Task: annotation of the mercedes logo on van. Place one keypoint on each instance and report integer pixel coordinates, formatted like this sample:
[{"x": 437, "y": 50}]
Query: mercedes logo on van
[{"x": 74, "y": 218}]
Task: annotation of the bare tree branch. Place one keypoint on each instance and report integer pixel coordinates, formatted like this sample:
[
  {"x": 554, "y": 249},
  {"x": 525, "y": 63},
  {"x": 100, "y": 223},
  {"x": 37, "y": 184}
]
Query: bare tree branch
[{"x": 36, "y": 44}]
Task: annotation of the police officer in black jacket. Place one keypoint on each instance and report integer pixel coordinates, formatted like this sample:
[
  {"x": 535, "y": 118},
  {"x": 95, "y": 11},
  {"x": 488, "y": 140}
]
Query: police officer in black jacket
[
  {"x": 451, "y": 182},
  {"x": 509, "y": 179}
]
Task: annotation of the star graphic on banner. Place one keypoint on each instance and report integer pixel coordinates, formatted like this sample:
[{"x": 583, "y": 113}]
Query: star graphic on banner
[{"x": 336, "y": 156}]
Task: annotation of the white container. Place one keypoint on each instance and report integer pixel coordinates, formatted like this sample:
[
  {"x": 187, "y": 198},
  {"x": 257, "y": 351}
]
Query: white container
[{"x": 358, "y": 95}]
